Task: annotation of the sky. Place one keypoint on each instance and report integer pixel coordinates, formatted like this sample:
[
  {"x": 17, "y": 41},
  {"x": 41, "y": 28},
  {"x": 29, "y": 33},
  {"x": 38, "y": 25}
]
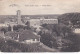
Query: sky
[{"x": 33, "y": 7}]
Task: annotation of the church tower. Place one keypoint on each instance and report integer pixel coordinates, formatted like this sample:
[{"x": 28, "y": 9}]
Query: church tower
[{"x": 19, "y": 17}]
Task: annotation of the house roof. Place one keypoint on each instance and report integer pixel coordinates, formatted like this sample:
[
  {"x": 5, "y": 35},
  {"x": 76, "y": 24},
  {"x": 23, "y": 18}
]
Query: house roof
[
  {"x": 23, "y": 35},
  {"x": 26, "y": 34}
]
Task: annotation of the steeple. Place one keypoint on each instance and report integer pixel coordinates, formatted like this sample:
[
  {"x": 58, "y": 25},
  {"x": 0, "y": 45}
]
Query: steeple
[{"x": 19, "y": 17}]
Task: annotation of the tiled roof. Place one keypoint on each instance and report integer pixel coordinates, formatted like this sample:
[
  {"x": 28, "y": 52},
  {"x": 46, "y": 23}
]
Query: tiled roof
[
  {"x": 23, "y": 35},
  {"x": 26, "y": 34}
]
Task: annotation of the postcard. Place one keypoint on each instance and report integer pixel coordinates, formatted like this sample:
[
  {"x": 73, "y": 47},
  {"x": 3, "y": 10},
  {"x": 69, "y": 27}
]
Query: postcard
[{"x": 39, "y": 26}]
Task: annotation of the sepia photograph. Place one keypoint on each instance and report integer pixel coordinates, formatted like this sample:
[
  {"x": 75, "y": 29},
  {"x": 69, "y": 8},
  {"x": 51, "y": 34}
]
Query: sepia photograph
[{"x": 39, "y": 26}]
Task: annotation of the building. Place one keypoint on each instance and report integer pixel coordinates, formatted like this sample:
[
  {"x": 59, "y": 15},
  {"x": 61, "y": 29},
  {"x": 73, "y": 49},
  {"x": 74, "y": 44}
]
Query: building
[
  {"x": 12, "y": 21},
  {"x": 49, "y": 21},
  {"x": 16, "y": 19},
  {"x": 77, "y": 30},
  {"x": 3, "y": 25},
  {"x": 36, "y": 23},
  {"x": 19, "y": 17},
  {"x": 24, "y": 36},
  {"x": 26, "y": 19}
]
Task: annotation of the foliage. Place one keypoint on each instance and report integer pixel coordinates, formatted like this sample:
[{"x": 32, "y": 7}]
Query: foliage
[
  {"x": 74, "y": 18},
  {"x": 28, "y": 24},
  {"x": 60, "y": 36},
  {"x": 13, "y": 46},
  {"x": 4, "y": 29}
]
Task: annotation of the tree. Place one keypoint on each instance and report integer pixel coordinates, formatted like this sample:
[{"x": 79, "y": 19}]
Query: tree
[
  {"x": 74, "y": 18},
  {"x": 17, "y": 27},
  {"x": 4, "y": 30},
  {"x": 62, "y": 37},
  {"x": 28, "y": 24},
  {"x": 9, "y": 28}
]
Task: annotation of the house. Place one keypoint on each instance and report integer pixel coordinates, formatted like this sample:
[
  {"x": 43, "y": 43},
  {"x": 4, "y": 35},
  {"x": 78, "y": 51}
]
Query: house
[
  {"x": 3, "y": 25},
  {"x": 24, "y": 36},
  {"x": 77, "y": 30},
  {"x": 49, "y": 21},
  {"x": 28, "y": 37},
  {"x": 36, "y": 23}
]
